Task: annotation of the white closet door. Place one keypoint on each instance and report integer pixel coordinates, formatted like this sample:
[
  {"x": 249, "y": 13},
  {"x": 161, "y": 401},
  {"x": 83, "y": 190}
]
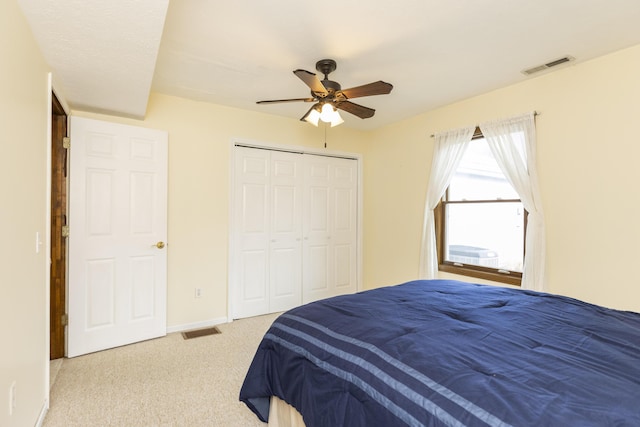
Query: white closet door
[
  {"x": 317, "y": 230},
  {"x": 294, "y": 230},
  {"x": 330, "y": 227},
  {"x": 251, "y": 269},
  {"x": 344, "y": 174},
  {"x": 267, "y": 272},
  {"x": 285, "y": 278}
]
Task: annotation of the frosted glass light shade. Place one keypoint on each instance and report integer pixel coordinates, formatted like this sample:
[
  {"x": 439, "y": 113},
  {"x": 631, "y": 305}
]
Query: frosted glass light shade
[
  {"x": 337, "y": 120},
  {"x": 327, "y": 113},
  {"x": 313, "y": 117}
]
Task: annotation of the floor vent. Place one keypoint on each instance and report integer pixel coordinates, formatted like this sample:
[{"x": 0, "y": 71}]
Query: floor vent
[
  {"x": 187, "y": 335},
  {"x": 548, "y": 65}
]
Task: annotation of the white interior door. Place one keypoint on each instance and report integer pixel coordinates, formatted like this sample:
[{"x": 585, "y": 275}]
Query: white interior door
[
  {"x": 318, "y": 253},
  {"x": 251, "y": 221},
  {"x": 344, "y": 192},
  {"x": 285, "y": 275},
  {"x": 330, "y": 227},
  {"x": 118, "y": 230},
  {"x": 268, "y": 232}
]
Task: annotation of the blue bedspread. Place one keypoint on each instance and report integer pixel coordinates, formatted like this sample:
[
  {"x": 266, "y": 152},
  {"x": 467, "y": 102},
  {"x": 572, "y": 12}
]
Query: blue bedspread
[{"x": 446, "y": 353}]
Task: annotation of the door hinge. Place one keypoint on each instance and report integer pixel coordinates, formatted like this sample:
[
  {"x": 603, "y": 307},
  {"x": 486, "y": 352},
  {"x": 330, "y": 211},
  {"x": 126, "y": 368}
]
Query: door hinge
[
  {"x": 65, "y": 231},
  {"x": 66, "y": 142},
  {"x": 65, "y": 319}
]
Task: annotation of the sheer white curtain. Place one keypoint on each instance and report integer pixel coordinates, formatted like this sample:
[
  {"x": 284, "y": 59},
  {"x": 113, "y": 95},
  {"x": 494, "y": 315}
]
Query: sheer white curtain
[
  {"x": 513, "y": 143},
  {"x": 449, "y": 149}
]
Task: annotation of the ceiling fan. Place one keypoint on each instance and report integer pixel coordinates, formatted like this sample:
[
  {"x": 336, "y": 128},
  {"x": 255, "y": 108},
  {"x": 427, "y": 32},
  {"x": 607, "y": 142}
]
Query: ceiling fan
[{"x": 330, "y": 97}]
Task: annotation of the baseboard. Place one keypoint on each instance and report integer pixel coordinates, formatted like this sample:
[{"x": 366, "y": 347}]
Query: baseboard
[
  {"x": 43, "y": 413},
  {"x": 196, "y": 325}
]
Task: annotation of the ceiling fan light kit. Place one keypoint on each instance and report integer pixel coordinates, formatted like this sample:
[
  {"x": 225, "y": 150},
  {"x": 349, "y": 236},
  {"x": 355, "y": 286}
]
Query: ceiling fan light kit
[
  {"x": 327, "y": 113},
  {"x": 329, "y": 97}
]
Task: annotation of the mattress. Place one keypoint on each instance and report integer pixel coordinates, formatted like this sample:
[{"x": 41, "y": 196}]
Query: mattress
[{"x": 281, "y": 414}]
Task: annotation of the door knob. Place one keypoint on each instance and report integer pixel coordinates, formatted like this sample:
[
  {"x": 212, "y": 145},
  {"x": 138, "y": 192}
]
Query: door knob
[{"x": 160, "y": 245}]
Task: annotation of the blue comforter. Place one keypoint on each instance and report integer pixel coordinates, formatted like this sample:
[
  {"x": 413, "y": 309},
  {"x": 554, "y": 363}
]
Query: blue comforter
[{"x": 446, "y": 353}]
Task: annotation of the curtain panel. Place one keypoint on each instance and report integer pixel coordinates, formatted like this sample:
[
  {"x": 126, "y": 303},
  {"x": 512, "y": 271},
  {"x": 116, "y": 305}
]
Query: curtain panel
[
  {"x": 449, "y": 149},
  {"x": 512, "y": 142}
]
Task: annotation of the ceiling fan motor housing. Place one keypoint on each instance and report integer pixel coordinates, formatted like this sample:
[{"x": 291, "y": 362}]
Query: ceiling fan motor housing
[{"x": 326, "y": 66}]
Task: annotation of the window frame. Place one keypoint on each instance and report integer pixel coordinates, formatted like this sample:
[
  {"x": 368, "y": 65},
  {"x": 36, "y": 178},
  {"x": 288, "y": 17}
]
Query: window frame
[{"x": 480, "y": 272}]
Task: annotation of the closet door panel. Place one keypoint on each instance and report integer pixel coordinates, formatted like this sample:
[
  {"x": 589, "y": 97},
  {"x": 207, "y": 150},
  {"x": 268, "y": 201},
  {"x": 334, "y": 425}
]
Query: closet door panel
[
  {"x": 318, "y": 248},
  {"x": 252, "y": 222},
  {"x": 344, "y": 268},
  {"x": 254, "y": 277},
  {"x": 285, "y": 283},
  {"x": 285, "y": 280},
  {"x": 344, "y": 184}
]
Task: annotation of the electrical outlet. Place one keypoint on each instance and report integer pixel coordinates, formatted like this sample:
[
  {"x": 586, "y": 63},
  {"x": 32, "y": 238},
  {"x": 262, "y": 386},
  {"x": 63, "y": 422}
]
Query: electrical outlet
[
  {"x": 198, "y": 293},
  {"x": 12, "y": 398}
]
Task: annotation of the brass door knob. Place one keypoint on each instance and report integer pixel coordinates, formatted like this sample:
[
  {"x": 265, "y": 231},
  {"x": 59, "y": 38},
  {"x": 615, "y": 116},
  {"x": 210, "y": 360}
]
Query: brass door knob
[{"x": 160, "y": 245}]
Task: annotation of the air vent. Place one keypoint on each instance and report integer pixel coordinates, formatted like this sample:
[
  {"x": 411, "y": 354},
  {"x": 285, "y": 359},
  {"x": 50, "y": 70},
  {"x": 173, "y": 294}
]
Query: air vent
[
  {"x": 548, "y": 65},
  {"x": 200, "y": 333}
]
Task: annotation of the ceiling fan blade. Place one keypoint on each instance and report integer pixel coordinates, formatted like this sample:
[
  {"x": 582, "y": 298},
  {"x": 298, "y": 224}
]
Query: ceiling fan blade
[
  {"x": 311, "y": 80},
  {"x": 375, "y": 88},
  {"x": 355, "y": 109},
  {"x": 274, "y": 101}
]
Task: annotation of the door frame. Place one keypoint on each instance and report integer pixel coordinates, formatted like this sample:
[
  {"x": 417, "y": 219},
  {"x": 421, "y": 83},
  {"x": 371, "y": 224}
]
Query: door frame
[
  {"x": 292, "y": 149},
  {"x": 58, "y": 247}
]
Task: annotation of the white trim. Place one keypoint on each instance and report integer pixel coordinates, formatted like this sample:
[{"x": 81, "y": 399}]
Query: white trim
[
  {"x": 43, "y": 414},
  {"x": 360, "y": 227},
  {"x": 196, "y": 325},
  {"x": 294, "y": 149},
  {"x": 47, "y": 247}
]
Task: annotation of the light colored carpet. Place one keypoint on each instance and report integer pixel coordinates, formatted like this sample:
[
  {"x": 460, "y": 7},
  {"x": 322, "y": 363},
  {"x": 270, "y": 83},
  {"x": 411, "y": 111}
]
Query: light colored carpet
[
  {"x": 54, "y": 368},
  {"x": 167, "y": 381}
]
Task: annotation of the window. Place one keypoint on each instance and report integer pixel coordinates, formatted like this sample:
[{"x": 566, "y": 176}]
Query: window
[{"x": 480, "y": 221}]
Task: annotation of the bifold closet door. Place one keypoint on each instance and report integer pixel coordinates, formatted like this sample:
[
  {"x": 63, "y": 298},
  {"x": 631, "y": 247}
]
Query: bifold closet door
[
  {"x": 330, "y": 227},
  {"x": 267, "y": 270}
]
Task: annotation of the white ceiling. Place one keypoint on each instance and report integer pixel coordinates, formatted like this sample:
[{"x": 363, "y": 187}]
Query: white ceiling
[
  {"x": 102, "y": 53},
  {"x": 108, "y": 55}
]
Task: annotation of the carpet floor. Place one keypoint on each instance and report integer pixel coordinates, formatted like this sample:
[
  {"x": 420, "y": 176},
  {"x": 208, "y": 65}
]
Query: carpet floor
[{"x": 167, "y": 381}]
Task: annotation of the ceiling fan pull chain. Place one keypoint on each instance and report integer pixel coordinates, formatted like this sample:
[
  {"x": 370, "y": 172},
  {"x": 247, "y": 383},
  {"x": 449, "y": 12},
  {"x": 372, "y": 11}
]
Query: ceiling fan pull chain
[{"x": 325, "y": 135}]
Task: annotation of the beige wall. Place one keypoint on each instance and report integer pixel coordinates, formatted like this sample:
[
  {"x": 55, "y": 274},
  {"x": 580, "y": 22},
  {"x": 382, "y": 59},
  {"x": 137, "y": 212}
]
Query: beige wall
[
  {"x": 23, "y": 120},
  {"x": 200, "y": 136},
  {"x": 588, "y": 151}
]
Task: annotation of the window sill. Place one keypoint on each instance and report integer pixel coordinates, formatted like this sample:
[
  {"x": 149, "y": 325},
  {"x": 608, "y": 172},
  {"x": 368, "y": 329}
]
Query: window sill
[{"x": 477, "y": 272}]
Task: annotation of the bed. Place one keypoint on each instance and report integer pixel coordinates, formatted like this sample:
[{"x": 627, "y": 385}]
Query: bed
[{"x": 448, "y": 353}]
